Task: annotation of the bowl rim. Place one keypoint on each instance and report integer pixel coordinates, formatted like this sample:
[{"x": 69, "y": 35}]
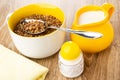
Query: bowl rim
[{"x": 63, "y": 23}]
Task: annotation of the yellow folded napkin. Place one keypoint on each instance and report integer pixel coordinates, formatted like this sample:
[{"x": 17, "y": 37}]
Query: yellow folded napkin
[{"x": 16, "y": 67}]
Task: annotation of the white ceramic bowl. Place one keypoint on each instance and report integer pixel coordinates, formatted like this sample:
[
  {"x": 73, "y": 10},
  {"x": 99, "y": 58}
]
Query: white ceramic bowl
[{"x": 36, "y": 47}]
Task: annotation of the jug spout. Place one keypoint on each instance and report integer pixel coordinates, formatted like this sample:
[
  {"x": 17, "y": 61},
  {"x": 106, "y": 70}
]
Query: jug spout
[{"x": 109, "y": 8}]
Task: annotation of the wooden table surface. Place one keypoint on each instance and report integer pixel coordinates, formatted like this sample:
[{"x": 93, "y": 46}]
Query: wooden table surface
[{"x": 102, "y": 66}]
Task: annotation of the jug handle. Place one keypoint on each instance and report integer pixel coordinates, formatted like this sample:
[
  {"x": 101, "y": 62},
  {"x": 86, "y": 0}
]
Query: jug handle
[{"x": 109, "y": 8}]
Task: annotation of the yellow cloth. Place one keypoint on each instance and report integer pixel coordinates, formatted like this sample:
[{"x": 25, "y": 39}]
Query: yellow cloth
[{"x": 16, "y": 67}]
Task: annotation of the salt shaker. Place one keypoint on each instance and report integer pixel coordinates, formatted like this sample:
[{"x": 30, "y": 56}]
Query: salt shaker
[{"x": 71, "y": 62}]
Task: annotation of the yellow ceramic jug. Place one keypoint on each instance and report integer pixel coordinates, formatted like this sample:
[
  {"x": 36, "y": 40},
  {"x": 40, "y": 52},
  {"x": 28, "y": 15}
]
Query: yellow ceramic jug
[{"x": 104, "y": 26}]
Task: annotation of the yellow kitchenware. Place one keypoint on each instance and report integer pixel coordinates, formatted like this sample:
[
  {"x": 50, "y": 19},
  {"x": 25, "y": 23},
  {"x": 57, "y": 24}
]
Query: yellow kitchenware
[
  {"x": 71, "y": 61},
  {"x": 42, "y": 46},
  {"x": 104, "y": 26}
]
